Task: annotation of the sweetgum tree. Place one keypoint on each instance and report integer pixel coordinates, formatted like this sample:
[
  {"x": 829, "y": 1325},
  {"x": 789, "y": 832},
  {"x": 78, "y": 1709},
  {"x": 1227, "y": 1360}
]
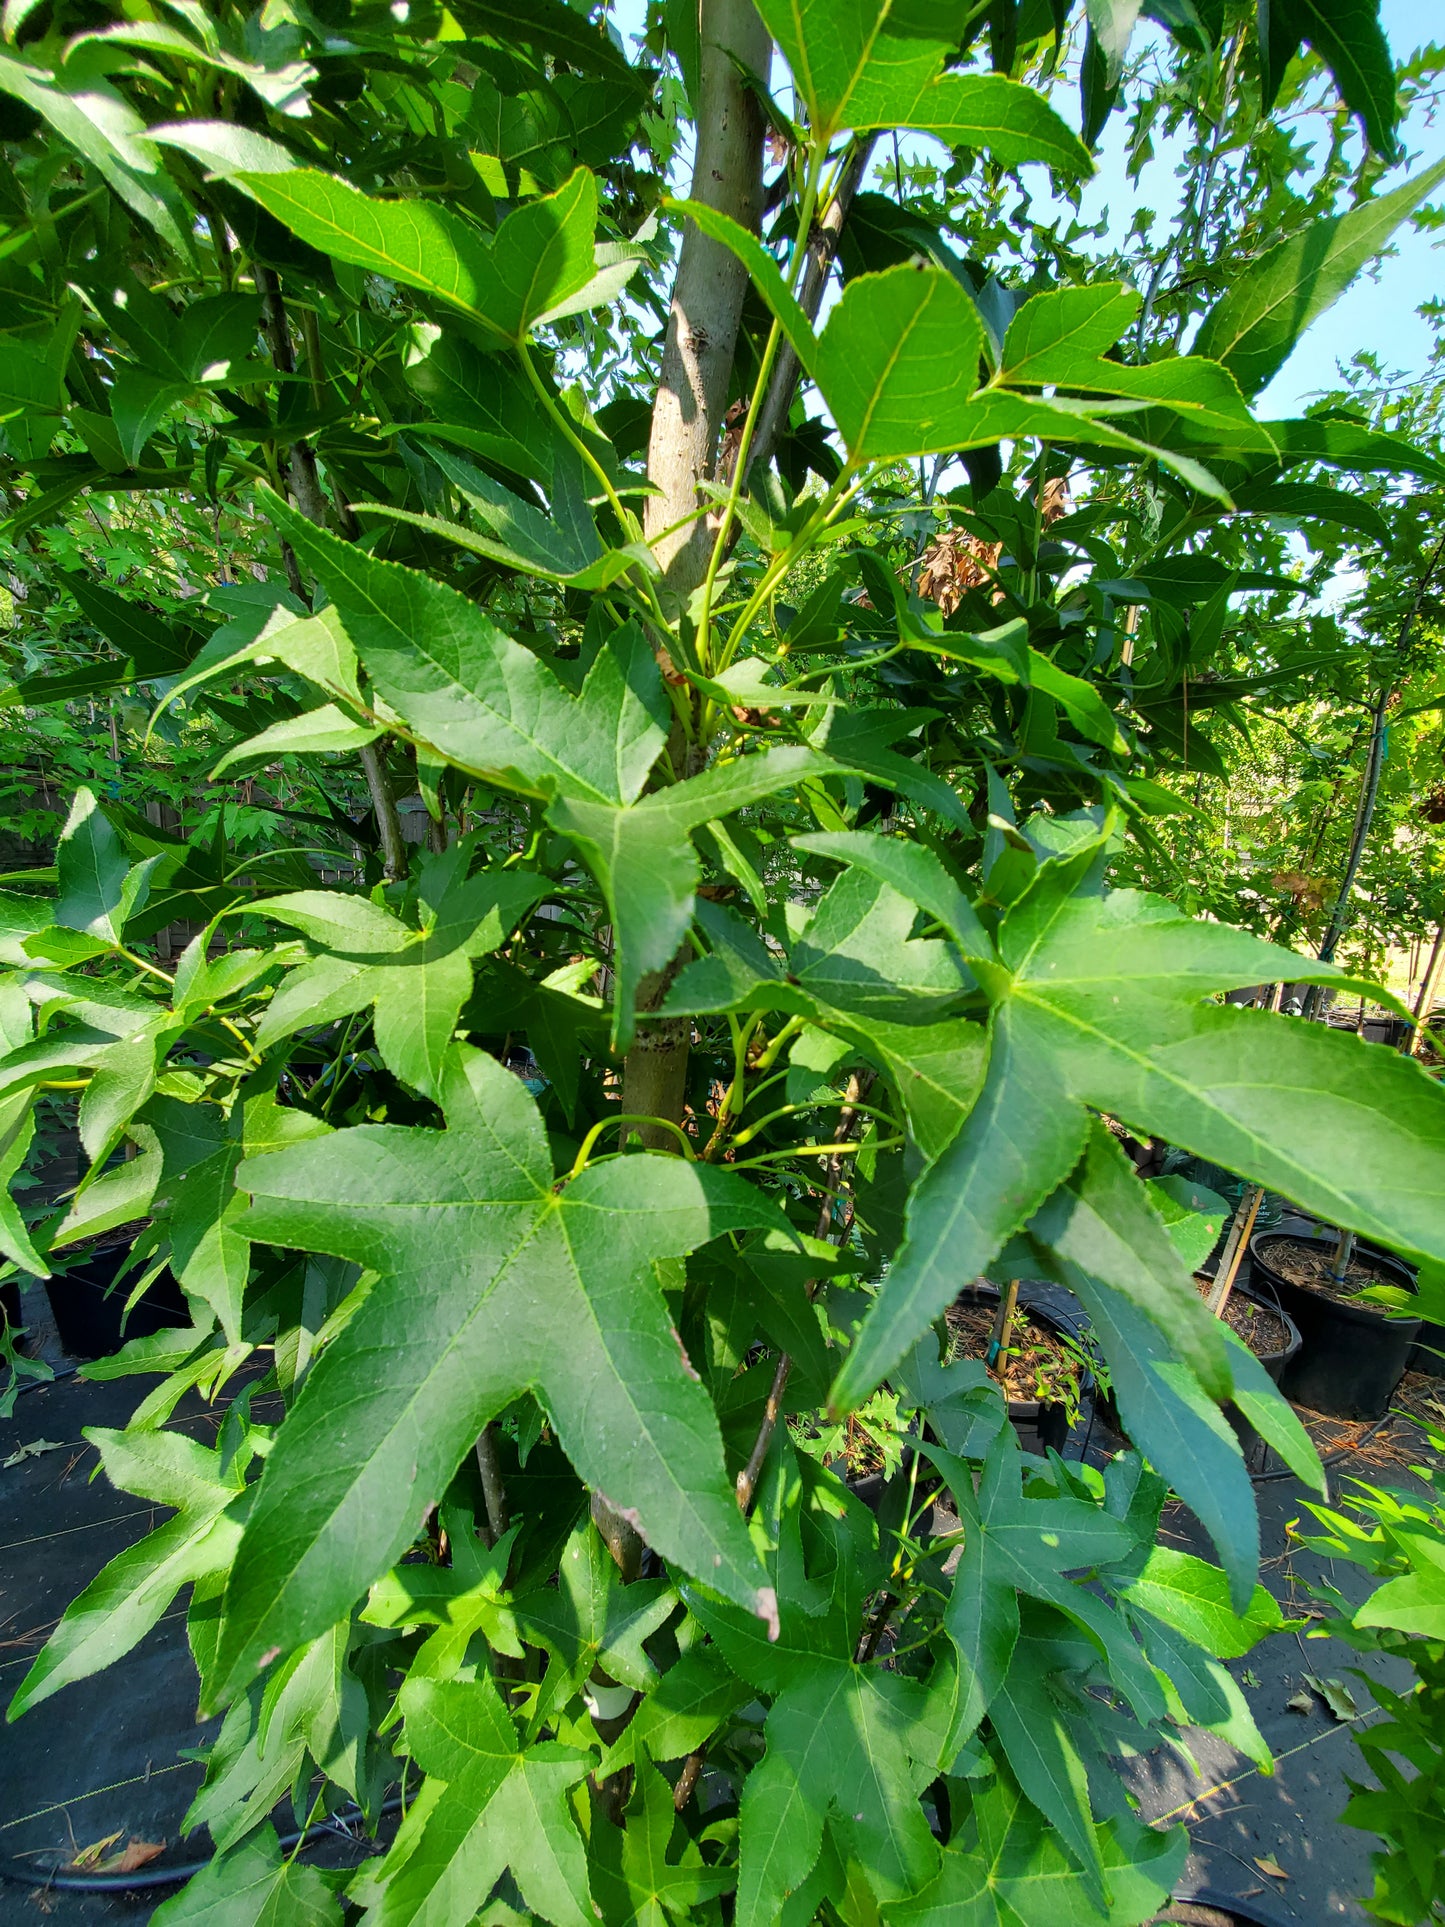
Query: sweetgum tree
[{"x": 785, "y": 884}]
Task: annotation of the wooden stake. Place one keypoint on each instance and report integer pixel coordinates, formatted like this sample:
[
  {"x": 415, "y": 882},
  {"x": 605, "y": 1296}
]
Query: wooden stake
[
  {"x": 1131, "y": 630},
  {"x": 998, "y": 1344},
  {"x": 1246, "y": 1211},
  {"x": 1425, "y": 1002}
]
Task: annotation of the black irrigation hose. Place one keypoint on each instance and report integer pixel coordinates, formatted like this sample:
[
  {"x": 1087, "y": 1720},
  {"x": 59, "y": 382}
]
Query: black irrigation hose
[
  {"x": 122, "y": 1883},
  {"x": 1261, "y": 1913},
  {"x": 38, "y": 1384},
  {"x": 1335, "y": 1458}
]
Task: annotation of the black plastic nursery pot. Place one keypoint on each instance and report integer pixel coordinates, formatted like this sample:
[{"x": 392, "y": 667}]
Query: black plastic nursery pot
[
  {"x": 1041, "y": 1425},
  {"x": 873, "y": 1490},
  {"x": 89, "y": 1305},
  {"x": 1352, "y": 1356}
]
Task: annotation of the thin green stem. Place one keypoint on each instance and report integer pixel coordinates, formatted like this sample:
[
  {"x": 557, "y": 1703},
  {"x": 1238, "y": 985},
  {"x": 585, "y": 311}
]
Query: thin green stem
[
  {"x": 815, "y": 1104},
  {"x": 143, "y": 963},
  {"x": 806, "y": 207},
  {"x": 852, "y": 668},
  {"x": 735, "y": 488},
  {"x": 770, "y": 1056},
  {"x": 818, "y": 1151},
  {"x": 627, "y": 522},
  {"x": 629, "y": 1117},
  {"x": 840, "y": 492}
]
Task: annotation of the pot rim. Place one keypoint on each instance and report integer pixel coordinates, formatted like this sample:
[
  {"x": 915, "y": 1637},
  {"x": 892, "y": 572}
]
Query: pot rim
[{"x": 1351, "y": 1311}]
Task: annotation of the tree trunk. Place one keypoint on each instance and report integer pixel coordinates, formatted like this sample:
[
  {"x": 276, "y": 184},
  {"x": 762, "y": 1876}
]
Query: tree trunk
[
  {"x": 687, "y": 417},
  {"x": 707, "y": 296},
  {"x": 1425, "y": 1002}
]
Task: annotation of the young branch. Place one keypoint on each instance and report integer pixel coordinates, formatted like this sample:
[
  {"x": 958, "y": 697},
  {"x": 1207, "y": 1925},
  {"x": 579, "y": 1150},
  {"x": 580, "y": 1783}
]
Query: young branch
[{"x": 859, "y": 1085}]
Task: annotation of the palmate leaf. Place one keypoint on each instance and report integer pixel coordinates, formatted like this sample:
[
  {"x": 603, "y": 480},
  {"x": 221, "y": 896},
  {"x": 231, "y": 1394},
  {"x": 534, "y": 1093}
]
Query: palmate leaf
[
  {"x": 461, "y": 1600},
  {"x": 649, "y": 1872},
  {"x": 483, "y": 1263},
  {"x": 563, "y": 543},
  {"x": 542, "y": 253},
  {"x": 1017, "y": 1545},
  {"x": 642, "y": 855},
  {"x": 489, "y": 1805},
  {"x": 487, "y": 703},
  {"x": 253, "y": 1887},
  {"x": 1186, "y": 1594},
  {"x": 1107, "y": 1002},
  {"x": 588, "y": 1619},
  {"x": 687, "y": 1704},
  {"x": 856, "y": 971},
  {"x": 1004, "y": 1867},
  {"x": 418, "y": 979},
  {"x": 849, "y": 1744},
  {"x": 121, "y": 1604},
  {"x": 313, "y": 1715}
]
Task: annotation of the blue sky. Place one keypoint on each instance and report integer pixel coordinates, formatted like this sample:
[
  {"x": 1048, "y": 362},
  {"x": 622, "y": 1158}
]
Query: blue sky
[{"x": 1379, "y": 311}]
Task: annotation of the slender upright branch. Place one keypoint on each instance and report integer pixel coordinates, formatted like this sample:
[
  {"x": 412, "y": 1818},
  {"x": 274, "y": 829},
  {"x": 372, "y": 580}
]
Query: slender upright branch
[
  {"x": 692, "y": 397},
  {"x": 859, "y": 1084},
  {"x": 822, "y": 245},
  {"x": 306, "y": 488},
  {"x": 494, "y": 1493}
]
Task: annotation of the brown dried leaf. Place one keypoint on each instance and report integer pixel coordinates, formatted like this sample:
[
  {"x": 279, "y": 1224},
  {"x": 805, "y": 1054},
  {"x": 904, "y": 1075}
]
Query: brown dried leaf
[
  {"x": 1268, "y": 1864},
  {"x": 137, "y": 1853},
  {"x": 953, "y": 563}
]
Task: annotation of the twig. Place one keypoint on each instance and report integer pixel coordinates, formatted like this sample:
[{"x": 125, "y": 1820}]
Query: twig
[
  {"x": 494, "y": 1493},
  {"x": 747, "y": 1482}
]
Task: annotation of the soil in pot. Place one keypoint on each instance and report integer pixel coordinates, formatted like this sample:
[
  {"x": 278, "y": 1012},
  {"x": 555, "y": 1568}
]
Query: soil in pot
[
  {"x": 1264, "y": 1328},
  {"x": 1309, "y": 1263},
  {"x": 1352, "y": 1356},
  {"x": 1043, "y": 1377},
  {"x": 89, "y": 1305},
  {"x": 1273, "y": 1338}
]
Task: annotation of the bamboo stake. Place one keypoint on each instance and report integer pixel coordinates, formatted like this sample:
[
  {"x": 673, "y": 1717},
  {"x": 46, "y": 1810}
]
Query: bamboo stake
[
  {"x": 1131, "y": 630},
  {"x": 1245, "y": 1213},
  {"x": 998, "y": 1344},
  {"x": 1425, "y": 1002}
]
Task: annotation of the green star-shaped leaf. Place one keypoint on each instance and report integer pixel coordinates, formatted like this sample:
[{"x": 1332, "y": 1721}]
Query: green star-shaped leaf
[
  {"x": 1015, "y": 1544},
  {"x": 488, "y": 1805},
  {"x": 492, "y": 1281},
  {"x": 850, "y": 1744},
  {"x": 648, "y": 1872},
  {"x": 418, "y": 979},
  {"x": 590, "y": 1618},
  {"x": 460, "y": 1600},
  {"x": 1108, "y": 1002},
  {"x": 1005, "y": 1868}
]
